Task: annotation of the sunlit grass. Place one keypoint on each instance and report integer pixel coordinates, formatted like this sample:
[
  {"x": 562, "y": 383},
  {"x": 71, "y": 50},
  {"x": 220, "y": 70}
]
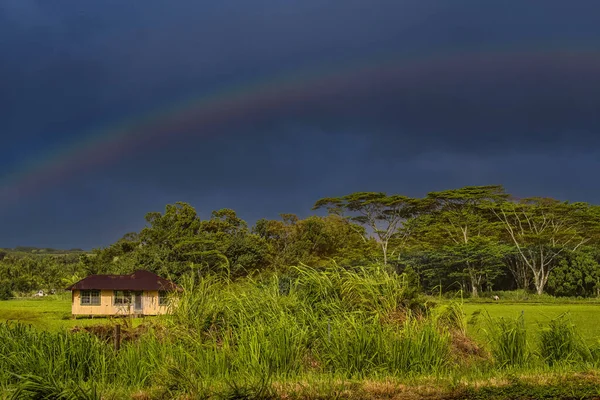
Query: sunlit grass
[
  {"x": 585, "y": 317},
  {"x": 50, "y": 313},
  {"x": 327, "y": 334}
]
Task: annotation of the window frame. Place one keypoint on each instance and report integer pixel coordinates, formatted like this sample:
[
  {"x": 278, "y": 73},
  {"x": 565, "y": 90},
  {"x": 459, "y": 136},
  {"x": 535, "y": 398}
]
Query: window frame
[
  {"x": 122, "y": 298},
  {"x": 93, "y": 295},
  {"x": 163, "y": 298}
]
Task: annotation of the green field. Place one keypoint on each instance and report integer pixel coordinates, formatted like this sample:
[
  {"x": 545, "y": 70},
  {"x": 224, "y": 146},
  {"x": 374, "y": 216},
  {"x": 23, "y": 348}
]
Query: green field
[
  {"x": 52, "y": 313},
  {"x": 585, "y": 316}
]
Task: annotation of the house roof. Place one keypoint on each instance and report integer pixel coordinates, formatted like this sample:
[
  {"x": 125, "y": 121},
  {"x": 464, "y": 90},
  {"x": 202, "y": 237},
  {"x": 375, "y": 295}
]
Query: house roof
[{"x": 139, "y": 280}]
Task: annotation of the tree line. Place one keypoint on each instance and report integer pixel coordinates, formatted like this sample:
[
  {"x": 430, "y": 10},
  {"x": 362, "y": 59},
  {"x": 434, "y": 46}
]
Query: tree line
[{"x": 474, "y": 239}]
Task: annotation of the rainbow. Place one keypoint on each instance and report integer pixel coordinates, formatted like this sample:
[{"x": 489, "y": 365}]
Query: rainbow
[{"x": 201, "y": 114}]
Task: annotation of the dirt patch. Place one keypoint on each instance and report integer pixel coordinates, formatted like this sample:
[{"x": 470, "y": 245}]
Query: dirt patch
[
  {"x": 397, "y": 317},
  {"x": 464, "y": 350},
  {"x": 465, "y": 345}
]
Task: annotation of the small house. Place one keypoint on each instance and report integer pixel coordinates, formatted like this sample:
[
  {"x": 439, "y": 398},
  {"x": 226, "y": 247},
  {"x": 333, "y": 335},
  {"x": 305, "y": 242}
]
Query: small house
[{"x": 140, "y": 293}]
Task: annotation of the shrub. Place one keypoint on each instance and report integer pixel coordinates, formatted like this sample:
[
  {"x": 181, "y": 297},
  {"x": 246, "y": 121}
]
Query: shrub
[
  {"x": 508, "y": 340},
  {"x": 559, "y": 342},
  {"x": 5, "y": 291}
]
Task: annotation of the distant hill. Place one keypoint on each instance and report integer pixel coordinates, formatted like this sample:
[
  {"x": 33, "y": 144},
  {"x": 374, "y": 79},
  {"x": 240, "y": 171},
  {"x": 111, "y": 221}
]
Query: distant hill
[{"x": 40, "y": 250}]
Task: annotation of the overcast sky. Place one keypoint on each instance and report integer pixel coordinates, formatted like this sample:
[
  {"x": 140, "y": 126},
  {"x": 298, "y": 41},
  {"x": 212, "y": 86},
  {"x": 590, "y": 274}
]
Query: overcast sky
[{"x": 333, "y": 96}]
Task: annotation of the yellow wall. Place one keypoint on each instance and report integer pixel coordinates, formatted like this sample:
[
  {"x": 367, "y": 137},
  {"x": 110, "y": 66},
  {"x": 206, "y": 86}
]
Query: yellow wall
[{"x": 150, "y": 305}]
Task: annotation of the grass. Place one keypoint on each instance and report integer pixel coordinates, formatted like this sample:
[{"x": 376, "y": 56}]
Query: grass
[
  {"x": 585, "y": 317},
  {"x": 322, "y": 334},
  {"x": 508, "y": 341},
  {"x": 50, "y": 313}
]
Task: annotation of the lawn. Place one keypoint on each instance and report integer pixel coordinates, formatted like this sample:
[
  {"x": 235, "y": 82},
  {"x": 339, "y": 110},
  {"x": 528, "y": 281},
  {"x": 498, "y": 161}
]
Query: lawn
[
  {"x": 51, "y": 313},
  {"x": 586, "y": 317}
]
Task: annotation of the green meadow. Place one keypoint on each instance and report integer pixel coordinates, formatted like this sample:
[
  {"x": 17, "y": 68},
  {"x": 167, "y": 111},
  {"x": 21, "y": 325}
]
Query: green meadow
[
  {"x": 50, "y": 313},
  {"x": 585, "y": 316}
]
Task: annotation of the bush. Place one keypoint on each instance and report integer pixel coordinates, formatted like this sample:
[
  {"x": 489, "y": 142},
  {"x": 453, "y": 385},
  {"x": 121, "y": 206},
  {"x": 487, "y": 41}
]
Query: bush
[
  {"x": 5, "y": 291},
  {"x": 508, "y": 339},
  {"x": 559, "y": 342}
]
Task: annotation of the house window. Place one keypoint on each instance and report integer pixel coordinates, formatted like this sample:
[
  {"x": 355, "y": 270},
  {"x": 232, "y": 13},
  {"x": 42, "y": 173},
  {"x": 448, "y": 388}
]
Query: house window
[
  {"x": 163, "y": 298},
  {"x": 122, "y": 297},
  {"x": 90, "y": 297}
]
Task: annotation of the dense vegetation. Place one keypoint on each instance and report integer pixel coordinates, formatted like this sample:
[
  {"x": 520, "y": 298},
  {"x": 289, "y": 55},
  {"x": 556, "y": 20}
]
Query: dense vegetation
[
  {"x": 327, "y": 306},
  {"x": 306, "y": 334},
  {"x": 470, "y": 239}
]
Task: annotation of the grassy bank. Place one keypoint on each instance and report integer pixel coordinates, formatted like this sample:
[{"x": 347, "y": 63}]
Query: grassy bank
[{"x": 334, "y": 334}]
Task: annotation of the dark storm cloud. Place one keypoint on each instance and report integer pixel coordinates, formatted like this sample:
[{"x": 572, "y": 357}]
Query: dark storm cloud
[
  {"x": 474, "y": 103},
  {"x": 479, "y": 92}
]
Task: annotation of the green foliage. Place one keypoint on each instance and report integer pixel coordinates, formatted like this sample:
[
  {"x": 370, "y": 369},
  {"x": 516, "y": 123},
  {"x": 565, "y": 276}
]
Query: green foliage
[
  {"x": 459, "y": 226},
  {"x": 315, "y": 241},
  {"x": 5, "y": 291},
  {"x": 335, "y": 296},
  {"x": 571, "y": 387},
  {"x": 37, "y": 387},
  {"x": 472, "y": 239},
  {"x": 543, "y": 229},
  {"x": 250, "y": 338},
  {"x": 560, "y": 343},
  {"x": 23, "y": 274},
  {"x": 59, "y": 356},
  {"x": 333, "y": 320},
  {"x": 358, "y": 348},
  {"x": 339, "y": 322},
  {"x": 451, "y": 316},
  {"x": 577, "y": 274},
  {"x": 508, "y": 340},
  {"x": 384, "y": 215}
]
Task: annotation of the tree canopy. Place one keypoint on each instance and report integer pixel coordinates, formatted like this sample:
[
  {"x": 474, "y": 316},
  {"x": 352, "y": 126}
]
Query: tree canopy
[{"x": 474, "y": 238}]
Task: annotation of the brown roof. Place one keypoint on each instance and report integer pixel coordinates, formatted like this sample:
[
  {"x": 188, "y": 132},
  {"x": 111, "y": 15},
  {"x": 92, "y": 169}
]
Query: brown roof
[{"x": 139, "y": 280}]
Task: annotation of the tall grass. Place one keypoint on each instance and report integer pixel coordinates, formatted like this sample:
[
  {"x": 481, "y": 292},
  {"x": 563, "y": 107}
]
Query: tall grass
[
  {"x": 233, "y": 340},
  {"x": 561, "y": 343},
  {"x": 37, "y": 387},
  {"x": 508, "y": 340},
  {"x": 66, "y": 357},
  {"x": 451, "y": 316}
]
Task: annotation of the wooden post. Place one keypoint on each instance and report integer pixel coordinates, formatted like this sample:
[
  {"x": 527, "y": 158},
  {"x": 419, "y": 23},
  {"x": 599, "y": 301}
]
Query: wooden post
[{"x": 117, "y": 337}]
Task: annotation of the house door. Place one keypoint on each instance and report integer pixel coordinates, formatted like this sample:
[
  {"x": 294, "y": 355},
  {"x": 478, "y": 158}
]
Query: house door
[{"x": 137, "y": 302}]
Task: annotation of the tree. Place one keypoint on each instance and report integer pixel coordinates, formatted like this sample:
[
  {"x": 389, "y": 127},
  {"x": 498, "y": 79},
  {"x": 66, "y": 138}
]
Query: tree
[
  {"x": 5, "y": 290},
  {"x": 225, "y": 221},
  {"x": 577, "y": 274},
  {"x": 460, "y": 227},
  {"x": 316, "y": 241},
  {"x": 382, "y": 215},
  {"x": 479, "y": 260},
  {"x": 542, "y": 229},
  {"x": 280, "y": 238},
  {"x": 518, "y": 268}
]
